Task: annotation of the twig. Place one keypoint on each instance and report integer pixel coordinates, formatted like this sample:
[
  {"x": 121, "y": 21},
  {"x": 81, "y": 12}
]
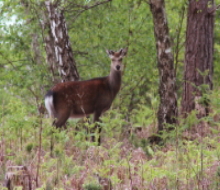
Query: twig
[
  {"x": 85, "y": 8},
  {"x": 135, "y": 87},
  {"x": 148, "y": 2},
  {"x": 39, "y": 151},
  {"x": 213, "y": 9},
  {"x": 178, "y": 47},
  {"x": 10, "y": 62},
  {"x": 130, "y": 177}
]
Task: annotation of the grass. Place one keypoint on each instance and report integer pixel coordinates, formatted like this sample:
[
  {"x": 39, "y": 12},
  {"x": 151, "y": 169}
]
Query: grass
[{"x": 189, "y": 158}]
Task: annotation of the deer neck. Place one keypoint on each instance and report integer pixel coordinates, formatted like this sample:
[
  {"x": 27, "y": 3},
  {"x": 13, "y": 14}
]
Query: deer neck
[{"x": 114, "y": 80}]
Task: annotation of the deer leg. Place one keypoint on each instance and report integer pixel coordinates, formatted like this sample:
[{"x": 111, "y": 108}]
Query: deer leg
[
  {"x": 96, "y": 119},
  {"x": 58, "y": 123},
  {"x": 61, "y": 119}
]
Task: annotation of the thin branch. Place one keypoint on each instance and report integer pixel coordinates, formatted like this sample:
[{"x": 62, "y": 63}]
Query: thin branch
[
  {"x": 39, "y": 150},
  {"x": 10, "y": 62},
  {"x": 80, "y": 53},
  {"x": 178, "y": 45},
  {"x": 135, "y": 87},
  {"x": 148, "y": 2},
  {"x": 213, "y": 9},
  {"x": 85, "y": 8},
  {"x": 72, "y": 6}
]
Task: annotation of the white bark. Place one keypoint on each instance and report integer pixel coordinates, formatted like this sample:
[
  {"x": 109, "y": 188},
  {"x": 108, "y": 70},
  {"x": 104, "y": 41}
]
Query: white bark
[{"x": 59, "y": 44}]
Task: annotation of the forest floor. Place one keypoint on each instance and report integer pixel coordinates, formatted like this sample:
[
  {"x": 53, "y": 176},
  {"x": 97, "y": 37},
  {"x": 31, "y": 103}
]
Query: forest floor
[{"x": 188, "y": 159}]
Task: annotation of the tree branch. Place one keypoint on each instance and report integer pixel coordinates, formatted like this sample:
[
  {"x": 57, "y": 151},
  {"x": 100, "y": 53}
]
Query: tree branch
[
  {"x": 213, "y": 9},
  {"x": 86, "y": 7}
]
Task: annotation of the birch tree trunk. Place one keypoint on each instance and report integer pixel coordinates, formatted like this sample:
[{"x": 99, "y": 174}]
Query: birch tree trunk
[
  {"x": 167, "y": 113},
  {"x": 58, "y": 48},
  {"x": 198, "y": 69}
]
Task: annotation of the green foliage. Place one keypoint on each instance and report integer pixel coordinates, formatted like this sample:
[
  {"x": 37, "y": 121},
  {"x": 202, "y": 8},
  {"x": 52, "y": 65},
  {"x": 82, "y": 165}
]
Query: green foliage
[
  {"x": 92, "y": 187},
  {"x": 125, "y": 156}
]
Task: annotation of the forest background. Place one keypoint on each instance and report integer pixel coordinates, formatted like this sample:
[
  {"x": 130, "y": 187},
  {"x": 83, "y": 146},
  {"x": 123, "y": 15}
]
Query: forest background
[{"x": 189, "y": 157}]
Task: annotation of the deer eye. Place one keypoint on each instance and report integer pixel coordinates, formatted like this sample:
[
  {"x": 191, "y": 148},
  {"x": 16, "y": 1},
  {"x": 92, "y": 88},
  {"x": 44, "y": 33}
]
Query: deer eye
[{"x": 120, "y": 59}]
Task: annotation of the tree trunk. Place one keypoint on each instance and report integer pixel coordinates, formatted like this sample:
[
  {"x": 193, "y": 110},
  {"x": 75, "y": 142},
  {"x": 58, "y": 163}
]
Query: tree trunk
[
  {"x": 168, "y": 112},
  {"x": 198, "y": 69},
  {"x": 58, "y": 48},
  {"x": 18, "y": 177}
]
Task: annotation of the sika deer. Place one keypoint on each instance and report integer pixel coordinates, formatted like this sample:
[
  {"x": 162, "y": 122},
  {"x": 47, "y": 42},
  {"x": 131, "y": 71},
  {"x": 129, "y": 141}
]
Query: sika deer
[{"x": 76, "y": 99}]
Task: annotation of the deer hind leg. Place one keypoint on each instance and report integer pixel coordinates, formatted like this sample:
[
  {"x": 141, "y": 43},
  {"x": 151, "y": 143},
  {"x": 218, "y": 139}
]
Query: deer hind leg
[
  {"x": 58, "y": 122},
  {"x": 97, "y": 126},
  {"x": 61, "y": 119}
]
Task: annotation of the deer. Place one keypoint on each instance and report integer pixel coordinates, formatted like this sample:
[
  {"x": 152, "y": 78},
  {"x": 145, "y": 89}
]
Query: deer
[{"x": 78, "y": 99}]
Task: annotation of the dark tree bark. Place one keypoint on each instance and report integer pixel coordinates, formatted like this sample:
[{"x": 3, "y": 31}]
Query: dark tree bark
[
  {"x": 198, "y": 69},
  {"x": 168, "y": 112},
  {"x": 59, "y": 52}
]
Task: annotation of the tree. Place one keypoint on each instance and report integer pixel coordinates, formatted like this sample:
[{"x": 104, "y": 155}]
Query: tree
[
  {"x": 198, "y": 71},
  {"x": 167, "y": 113},
  {"x": 58, "y": 48}
]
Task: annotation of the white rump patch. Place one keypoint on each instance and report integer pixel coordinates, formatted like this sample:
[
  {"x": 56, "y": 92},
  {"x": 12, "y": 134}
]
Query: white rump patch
[{"x": 49, "y": 105}]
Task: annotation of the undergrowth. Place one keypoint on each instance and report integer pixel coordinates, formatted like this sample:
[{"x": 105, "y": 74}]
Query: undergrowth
[{"x": 188, "y": 159}]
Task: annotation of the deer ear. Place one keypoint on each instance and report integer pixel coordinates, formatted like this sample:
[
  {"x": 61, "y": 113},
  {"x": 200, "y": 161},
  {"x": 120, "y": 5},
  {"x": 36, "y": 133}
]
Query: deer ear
[
  {"x": 123, "y": 51},
  {"x": 110, "y": 52}
]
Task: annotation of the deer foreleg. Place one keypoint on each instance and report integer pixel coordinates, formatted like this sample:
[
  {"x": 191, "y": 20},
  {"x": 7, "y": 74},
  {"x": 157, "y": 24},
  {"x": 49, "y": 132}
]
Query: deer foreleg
[{"x": 97, "y": 126}]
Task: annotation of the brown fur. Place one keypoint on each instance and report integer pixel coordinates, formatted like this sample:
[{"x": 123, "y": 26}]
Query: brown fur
[{"x": 81, "y": 98}]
